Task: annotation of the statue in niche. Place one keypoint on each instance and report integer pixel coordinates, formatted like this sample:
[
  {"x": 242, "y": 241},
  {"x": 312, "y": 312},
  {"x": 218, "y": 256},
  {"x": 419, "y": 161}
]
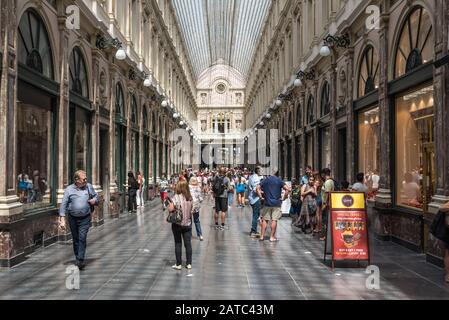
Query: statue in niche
[
  {"x": 204, "y": 98},
  {"x": 238, "y": 98},
  {"x": 238, "y": 124},
  {"x": 203, "y": 125}
]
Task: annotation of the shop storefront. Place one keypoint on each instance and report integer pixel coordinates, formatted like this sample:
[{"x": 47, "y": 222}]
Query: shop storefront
[{"x": 37, "y": 94}]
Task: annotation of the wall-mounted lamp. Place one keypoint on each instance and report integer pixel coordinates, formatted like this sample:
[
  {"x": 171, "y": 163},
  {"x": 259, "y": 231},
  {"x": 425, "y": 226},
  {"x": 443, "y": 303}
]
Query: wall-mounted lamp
[
  {"x": 334, "y": 41},
  {"x": 103, "y": 43},
  {"x": 303, "y": 76}
]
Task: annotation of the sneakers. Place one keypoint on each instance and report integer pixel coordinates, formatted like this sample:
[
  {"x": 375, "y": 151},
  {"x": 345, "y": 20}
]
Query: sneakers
[
  {"x": 176, "y": 267},
  {"x": 201, "y": 238},
  {"x": 189, "y": 267}
]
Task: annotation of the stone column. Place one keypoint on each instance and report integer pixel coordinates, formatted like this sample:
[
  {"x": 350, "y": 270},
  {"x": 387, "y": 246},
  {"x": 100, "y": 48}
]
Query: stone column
[
  {"x": 333, "y": 115},
  {"x": 441, "y": 118},
  {"x": 114, "y": 206},
  {"x": 384, "y": 196},
  {"x": 434, "y": 248},
  {"x": 63, "y": 145},
  {"x": 11, "y": 209},
  {"x": 315, "y": 132},
  {"x": 98, "y": 215},
  {"x": 350, "y": 132},
  {"x": 381, "y": 217}
]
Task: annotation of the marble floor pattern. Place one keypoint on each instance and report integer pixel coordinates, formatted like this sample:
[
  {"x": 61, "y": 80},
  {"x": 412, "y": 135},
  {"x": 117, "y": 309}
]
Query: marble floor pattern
[{"x": 131, "y": 258}]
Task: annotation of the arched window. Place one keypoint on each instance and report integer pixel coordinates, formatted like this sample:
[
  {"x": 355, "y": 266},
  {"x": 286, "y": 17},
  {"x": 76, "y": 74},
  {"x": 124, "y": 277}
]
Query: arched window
[
  {"x": 368, "y": 72},
  {"x": 34, "y": 48},
  {"x": 298, "y": 117},
  {"x": 134, "y": 110},
  {"x": 415, "y": 45},
  {"x": 325, "y": 99},
  {"x": 311, "y": 110},
  {"x": 145, "y": 118},
  {"x": 78, "y": 73},
  {"x": 119, "y": 100}
]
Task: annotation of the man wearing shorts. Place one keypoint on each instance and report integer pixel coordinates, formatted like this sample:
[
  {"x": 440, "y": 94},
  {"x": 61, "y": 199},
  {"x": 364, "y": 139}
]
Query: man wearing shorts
[
  {"x": 270, "y": 190},
  {"x": 220, "y": 187}
]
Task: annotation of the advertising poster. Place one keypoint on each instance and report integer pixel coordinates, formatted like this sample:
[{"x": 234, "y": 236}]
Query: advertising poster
[
  {"x": 349, "y": 232},
  {"x": 348, "y": 227}
]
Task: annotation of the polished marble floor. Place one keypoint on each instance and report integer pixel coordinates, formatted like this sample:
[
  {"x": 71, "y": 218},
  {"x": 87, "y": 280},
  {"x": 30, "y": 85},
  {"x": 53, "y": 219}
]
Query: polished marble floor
[{"x": 131, "y": 258}]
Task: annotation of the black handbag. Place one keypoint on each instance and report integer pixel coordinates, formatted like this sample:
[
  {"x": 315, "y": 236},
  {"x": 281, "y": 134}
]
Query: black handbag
[
  {"x": 175, "y": 217},
  {"x": 439, "y": 229}
]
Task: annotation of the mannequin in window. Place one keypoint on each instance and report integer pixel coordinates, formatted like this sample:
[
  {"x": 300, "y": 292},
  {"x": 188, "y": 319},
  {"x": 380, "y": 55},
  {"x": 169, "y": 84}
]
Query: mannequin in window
[{"x": 411, "y": 191}]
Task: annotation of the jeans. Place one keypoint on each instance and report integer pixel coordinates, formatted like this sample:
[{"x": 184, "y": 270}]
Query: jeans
[
  {"x": 180, "y": 234},
  {"x": 196, "y": 220},
  {"x": 230, "y": 198},
  {"x": 79, "y": 226},
  {"x": 256, "y": 214},
  {"x": 132, "y": 201}
]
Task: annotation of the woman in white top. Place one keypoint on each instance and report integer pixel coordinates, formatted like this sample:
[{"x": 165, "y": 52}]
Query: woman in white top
[
  {"x": 183, "y": 200},
  {"x": 197, "y": 198}
]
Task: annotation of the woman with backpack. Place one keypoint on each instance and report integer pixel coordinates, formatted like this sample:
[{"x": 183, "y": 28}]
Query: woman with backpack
[
  {"x": 133, "y": 187},
  {"x": 183, "y": 202},
  {"x": 240, "y": 189},
  {"x": 197, "y": 199}
]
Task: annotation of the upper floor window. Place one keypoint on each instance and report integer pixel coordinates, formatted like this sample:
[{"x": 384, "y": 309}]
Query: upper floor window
[
  {"x": 415, "y": 46},
  {"x": 298, "y": 117},
  {"x": 78, "y": 73},
  {"x": 134, "y": 110},
  {"x": 325, "y": 99},
  {"x": 34, "y": 49},
  {"x": 145, "y": 118},
  {"x": 368, "y": 72},
  {"x": 311, "y": 110},
  {"x": 119, "y": 100}
]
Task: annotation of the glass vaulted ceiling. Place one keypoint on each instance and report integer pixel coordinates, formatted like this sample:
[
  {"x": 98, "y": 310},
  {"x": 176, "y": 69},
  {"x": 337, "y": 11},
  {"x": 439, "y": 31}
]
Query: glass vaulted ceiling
[{"x": 221, "y": 31}]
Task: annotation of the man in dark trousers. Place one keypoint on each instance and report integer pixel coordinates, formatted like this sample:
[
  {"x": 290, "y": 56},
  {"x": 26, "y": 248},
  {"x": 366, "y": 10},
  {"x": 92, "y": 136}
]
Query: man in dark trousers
[{"x": 79, "y": 201}]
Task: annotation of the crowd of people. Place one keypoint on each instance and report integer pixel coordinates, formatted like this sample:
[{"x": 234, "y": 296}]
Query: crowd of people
[{"x": 265, "y": 194}]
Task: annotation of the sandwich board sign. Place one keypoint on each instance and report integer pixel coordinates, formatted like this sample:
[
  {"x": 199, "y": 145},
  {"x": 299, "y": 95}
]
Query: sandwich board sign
[{"x": 347, "y": 228}]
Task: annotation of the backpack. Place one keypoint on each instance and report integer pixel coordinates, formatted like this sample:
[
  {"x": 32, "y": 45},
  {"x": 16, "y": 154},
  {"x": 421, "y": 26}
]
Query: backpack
[
  {"x": 337, "y": 186},
  {"x": 218, "y": 186},
  {"x": 295, "y": 197}
]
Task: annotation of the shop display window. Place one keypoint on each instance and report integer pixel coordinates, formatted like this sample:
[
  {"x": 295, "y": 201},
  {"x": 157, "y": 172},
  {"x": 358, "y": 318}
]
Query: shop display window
[
  {"x": 34, "y": 152},
  {"x": 415, "y": 154},
  {"x": 369, "y": 148}
]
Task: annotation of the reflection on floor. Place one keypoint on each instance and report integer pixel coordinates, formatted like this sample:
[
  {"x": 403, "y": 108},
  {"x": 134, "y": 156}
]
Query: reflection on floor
[{"x": 131, "y": 258}]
